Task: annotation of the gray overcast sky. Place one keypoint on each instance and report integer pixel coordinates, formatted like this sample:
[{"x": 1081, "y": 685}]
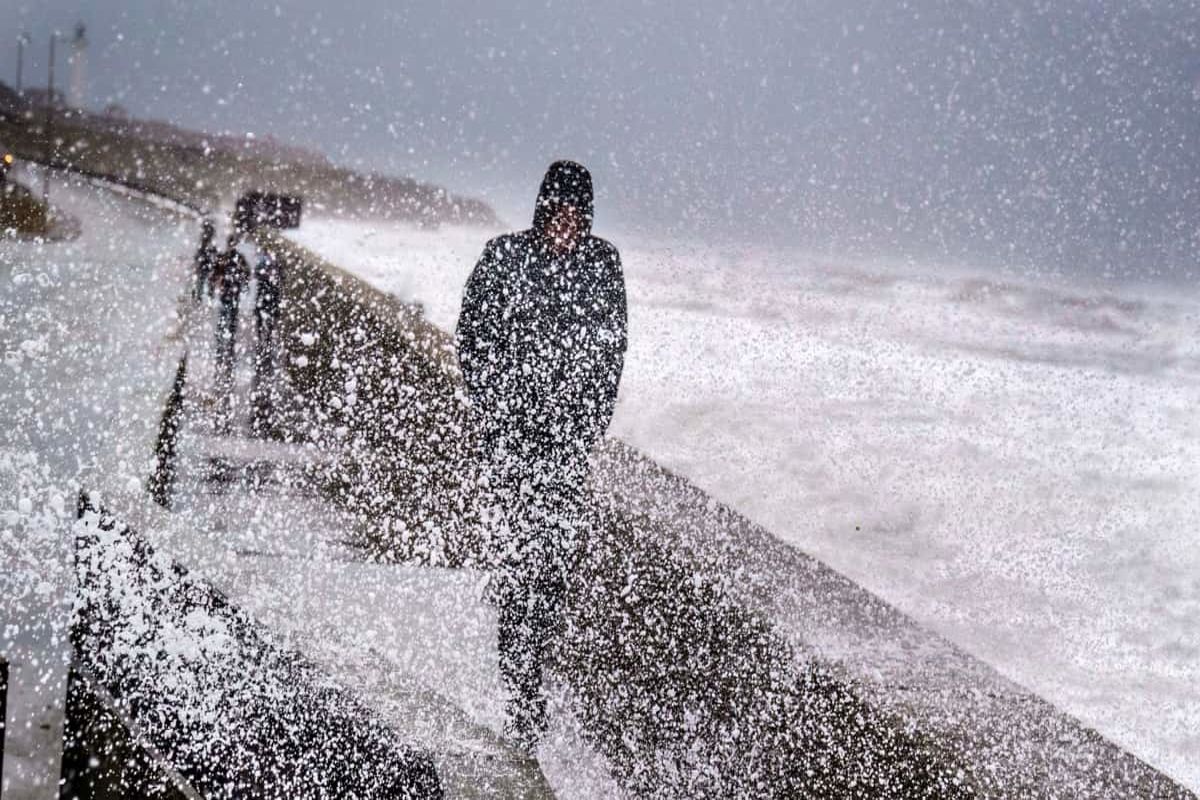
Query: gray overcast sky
[{"x": 1052, "y": 134}]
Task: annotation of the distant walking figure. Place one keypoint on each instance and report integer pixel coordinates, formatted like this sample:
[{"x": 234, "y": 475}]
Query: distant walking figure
[
  {"x": 267, "y": 295},
  {"x": 204, "y": 261},
  {"x": 541, "y": 342},
  {"x": 231, "y": 274}
]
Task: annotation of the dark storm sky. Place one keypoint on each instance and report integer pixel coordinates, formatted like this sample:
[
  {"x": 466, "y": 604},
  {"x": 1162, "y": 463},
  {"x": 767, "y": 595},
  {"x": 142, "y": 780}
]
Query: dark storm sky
[{"x": 1057, "y": 134}]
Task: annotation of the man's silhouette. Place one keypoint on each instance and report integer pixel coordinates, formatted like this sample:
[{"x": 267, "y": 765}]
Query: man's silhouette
[
  {"x": 204, "y": 261},
  {"x": 230, "y": 275},
  {"x": 541, "y": 342}
]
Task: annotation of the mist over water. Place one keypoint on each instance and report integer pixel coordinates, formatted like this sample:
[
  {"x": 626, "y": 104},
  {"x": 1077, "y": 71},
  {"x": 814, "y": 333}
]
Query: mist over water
[{"x": 1045, "y": 136}]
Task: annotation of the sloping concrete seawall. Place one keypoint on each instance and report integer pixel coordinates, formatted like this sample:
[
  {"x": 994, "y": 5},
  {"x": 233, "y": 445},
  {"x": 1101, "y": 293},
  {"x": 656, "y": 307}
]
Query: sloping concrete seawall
[{"x": 709, "y": 658}]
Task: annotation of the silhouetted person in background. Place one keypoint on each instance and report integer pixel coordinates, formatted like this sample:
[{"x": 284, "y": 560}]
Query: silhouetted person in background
[
  {"x": 204, "y": 261},
  {"x": 541, "y": 342},
  {"x": 230, "y": 276},
  {"x": 267, "y": 295}
]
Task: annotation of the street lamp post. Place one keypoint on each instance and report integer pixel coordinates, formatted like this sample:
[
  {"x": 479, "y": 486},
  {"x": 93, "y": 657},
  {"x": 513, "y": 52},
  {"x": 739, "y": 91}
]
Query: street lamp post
[
  {"x": 22, "y": 40},
  {"x": 49, "y": 123}
]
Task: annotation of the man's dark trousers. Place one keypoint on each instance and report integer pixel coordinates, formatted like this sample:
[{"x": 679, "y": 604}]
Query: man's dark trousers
[{"x": 542, "y": 500}]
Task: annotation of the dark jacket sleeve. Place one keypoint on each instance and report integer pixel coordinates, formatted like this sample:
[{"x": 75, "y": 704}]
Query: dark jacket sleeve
[
  {"x": 620, "y": 318},
  {"x": 479, "y": 332},
  {"x": 615, "y": 340}
]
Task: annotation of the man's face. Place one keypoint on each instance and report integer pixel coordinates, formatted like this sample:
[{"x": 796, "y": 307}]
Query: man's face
[{"x": 565, "y": 228}]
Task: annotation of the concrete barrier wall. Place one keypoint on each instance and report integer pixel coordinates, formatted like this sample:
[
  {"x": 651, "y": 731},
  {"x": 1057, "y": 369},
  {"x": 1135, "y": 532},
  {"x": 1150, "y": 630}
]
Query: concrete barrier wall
[
  {"x": 710, "y": 659},
  {"x": 102, "y": 757},
  {"x": 367, "y": 374},
  {"x": 168, "y": 671}
]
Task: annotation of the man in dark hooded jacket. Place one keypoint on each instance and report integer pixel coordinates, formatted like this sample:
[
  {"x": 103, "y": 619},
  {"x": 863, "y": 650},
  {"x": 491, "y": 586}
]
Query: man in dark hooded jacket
[{"x": 541, "y": 342}]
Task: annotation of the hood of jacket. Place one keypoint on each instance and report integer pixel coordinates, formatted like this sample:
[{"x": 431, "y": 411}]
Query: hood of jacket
[{"x": 566, "y": 184}]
